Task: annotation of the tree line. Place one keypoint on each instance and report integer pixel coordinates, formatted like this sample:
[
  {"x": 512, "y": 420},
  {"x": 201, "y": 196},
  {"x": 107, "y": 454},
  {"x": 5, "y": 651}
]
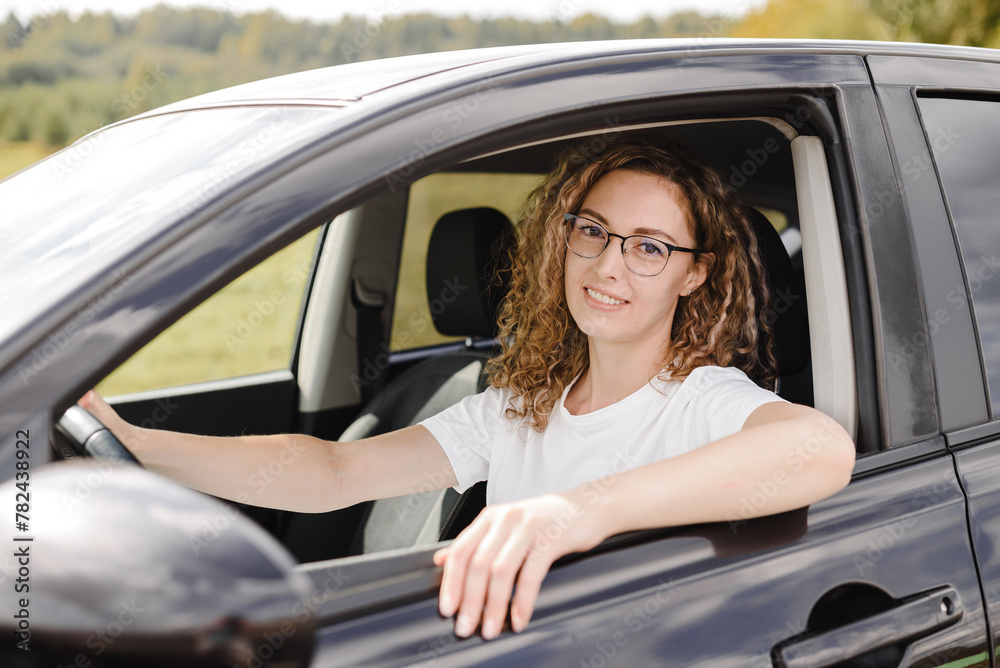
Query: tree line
[{"x": 61, "y": 77}]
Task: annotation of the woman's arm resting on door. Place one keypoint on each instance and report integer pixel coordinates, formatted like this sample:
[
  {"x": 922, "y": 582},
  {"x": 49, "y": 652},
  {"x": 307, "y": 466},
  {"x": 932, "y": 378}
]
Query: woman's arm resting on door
[{"x": 795, "y": 455}]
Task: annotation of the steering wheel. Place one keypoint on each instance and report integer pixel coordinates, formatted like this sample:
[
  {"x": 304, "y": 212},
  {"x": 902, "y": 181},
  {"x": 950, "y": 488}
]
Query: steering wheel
[{"x": 86, "y": 436}]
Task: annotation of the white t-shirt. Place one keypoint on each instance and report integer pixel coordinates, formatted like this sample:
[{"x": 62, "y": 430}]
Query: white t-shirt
[{"x": 657, "y": 421}]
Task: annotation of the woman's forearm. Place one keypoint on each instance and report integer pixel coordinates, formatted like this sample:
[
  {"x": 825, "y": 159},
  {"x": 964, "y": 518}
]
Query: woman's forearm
[
  {"x": 764, "y": 469},
  {"x": 287, "y": 471},
  {"x": 284, "y": 471}
]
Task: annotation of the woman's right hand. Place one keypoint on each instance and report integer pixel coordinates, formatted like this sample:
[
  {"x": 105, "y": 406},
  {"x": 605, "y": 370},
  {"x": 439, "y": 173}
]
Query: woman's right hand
[{"x": 125, "y": 432}]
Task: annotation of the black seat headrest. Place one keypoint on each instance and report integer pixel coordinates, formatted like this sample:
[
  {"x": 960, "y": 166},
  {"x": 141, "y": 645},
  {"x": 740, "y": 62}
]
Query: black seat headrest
[
  {"x": 787, "y": 314},
  {"x": 468, "y": 272}
]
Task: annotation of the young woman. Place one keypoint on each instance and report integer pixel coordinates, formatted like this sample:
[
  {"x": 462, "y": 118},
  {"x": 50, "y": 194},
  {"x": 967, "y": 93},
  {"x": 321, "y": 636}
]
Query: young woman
[{"x": 622, "y": 399}]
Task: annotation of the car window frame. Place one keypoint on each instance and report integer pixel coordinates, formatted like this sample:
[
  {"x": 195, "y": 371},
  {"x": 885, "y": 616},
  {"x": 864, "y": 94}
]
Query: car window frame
[{"x": 898, "y": 81}]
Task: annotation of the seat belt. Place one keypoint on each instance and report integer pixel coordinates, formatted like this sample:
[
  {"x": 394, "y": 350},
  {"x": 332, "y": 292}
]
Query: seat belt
[{"x": 371, "y": 365}]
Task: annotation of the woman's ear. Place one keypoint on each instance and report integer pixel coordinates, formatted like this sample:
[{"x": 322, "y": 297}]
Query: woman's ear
[{"x": 699, "y": 272}]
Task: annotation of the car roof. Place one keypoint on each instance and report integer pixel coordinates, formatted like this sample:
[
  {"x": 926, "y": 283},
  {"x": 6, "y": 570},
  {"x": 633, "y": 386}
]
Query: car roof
[{"x": 342, "y": 85}]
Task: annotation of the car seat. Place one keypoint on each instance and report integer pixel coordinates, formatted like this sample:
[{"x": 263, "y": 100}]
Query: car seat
[{"x": 787, "y": 313}]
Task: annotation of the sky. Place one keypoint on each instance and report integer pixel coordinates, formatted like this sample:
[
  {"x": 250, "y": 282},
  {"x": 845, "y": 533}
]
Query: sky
[{"x": 319, "y": 10}]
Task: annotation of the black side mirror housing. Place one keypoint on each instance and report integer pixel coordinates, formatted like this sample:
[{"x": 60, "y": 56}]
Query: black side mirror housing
[{"x": 117, "y": 566}]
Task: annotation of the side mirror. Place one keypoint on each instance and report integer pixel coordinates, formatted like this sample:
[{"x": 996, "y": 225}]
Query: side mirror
[{"x": 117, "y": 566}]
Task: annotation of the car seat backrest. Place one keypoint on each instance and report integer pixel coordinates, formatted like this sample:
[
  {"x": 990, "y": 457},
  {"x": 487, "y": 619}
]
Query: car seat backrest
[
  {"x": 787, "y": 313},
  {"x": 468, "y": 271}
]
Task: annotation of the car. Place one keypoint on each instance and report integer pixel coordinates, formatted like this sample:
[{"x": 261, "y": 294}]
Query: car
[{"x": 873, "y": 165}]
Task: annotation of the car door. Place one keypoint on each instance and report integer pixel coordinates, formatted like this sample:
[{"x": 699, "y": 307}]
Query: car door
[
  {"x": 884, "y": 571},
  {"x": 948, "y": 112}
]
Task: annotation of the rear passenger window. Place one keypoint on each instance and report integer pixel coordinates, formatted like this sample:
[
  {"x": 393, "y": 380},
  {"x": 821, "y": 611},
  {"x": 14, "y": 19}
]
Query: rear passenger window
[
  {"x": 964, "y": 136},
  {"x": 431, "y": 198}
]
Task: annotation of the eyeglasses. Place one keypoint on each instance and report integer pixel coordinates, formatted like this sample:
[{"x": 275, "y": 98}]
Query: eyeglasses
[{"x": 644, "y": 256}]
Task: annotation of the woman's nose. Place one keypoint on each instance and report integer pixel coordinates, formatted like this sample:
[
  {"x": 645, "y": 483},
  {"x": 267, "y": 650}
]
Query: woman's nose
[{"x": 611, "y": 262}]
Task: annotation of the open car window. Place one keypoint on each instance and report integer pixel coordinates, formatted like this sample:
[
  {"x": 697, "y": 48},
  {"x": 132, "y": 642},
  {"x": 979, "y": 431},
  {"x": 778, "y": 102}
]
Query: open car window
[
  {"x": 250, "y": 326},
  {"x": 246, "y": 328}
]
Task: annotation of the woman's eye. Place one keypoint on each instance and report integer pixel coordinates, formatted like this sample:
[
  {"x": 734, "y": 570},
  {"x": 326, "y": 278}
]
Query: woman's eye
[
  {"x": 592, "y": 231},
  {"x": 649, "y": 248}
]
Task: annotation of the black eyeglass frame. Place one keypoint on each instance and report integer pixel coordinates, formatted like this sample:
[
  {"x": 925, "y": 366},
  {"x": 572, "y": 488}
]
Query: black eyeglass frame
[{"x": 569, "y": 217}]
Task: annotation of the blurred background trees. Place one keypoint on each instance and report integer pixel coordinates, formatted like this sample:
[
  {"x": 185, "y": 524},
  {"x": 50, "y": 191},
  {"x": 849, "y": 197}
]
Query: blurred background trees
[{"x": 62, "y": 77}]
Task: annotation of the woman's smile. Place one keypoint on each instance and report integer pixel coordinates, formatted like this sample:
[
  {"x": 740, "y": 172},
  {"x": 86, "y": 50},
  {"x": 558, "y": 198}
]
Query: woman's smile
[{"x": 603, "y": 298}]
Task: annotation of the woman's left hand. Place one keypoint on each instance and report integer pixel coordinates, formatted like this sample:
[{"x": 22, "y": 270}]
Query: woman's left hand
[{"x": 518, "y": 540}]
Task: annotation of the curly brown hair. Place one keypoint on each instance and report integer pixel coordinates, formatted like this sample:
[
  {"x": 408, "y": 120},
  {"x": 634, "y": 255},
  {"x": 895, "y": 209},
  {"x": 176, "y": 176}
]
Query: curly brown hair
[{"x": 721, "y": 323}]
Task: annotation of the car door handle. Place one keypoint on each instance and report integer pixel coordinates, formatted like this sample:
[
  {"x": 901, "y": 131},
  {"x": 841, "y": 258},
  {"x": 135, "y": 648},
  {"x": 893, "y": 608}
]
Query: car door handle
[{"x": 914, "y": 619}]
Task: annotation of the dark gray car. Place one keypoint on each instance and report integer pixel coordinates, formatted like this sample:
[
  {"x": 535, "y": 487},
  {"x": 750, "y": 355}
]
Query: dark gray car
[{"x": 878, "y": 165}]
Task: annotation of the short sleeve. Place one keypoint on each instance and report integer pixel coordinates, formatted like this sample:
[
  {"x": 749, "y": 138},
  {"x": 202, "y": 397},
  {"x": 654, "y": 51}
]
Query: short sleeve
[
  {"x": 466, "y": 431},
  {"x": 721, "y": 400}
]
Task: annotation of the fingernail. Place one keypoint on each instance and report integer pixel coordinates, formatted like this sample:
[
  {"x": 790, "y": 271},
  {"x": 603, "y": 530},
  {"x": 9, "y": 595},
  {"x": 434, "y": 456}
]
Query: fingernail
[
  {"x": 491, "y": 628},
  {"x": 516, "y": 621},
  {"x": 446, "y": 606},
  {"x": 464, "y": 626}
]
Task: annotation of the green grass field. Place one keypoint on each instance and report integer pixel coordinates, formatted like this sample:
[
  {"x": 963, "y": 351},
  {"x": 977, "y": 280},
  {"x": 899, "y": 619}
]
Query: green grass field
[{"x": 247, "y": 327}]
